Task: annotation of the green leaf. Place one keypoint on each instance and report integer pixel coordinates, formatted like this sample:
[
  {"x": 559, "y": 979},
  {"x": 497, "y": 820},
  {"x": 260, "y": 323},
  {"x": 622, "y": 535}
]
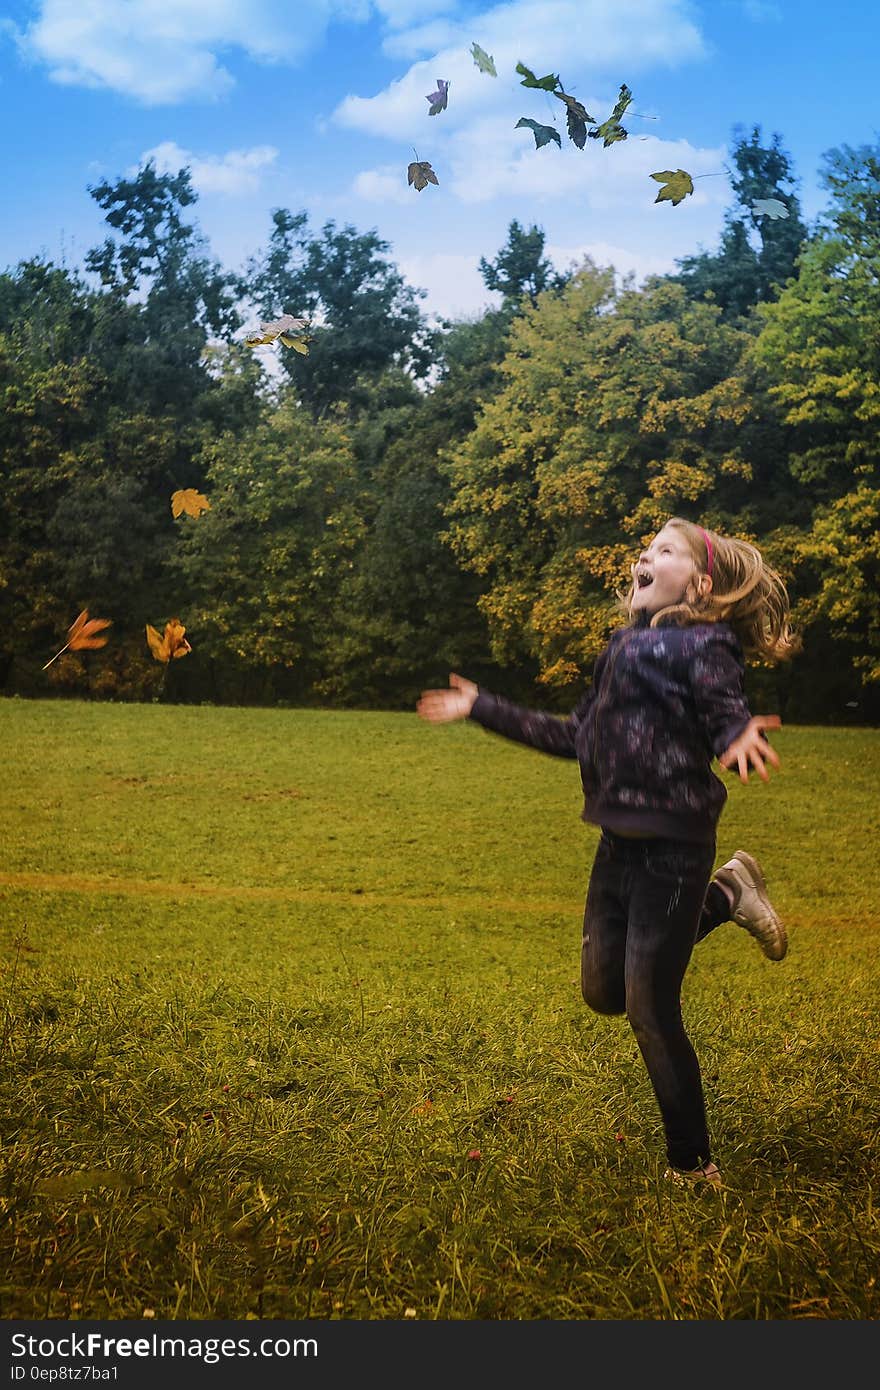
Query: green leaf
[
  {"x": 769, "y": 207},
  {"x": 624, "y": 98},
  {"x": 577, "y": 117},
  {"x": 677, "y": 185},
  {"x": 544, "y": 84},
  {"x": 483, "y": 60},
  {"x": 543, "y": 133},
  {"x": 610, "y": 131}
]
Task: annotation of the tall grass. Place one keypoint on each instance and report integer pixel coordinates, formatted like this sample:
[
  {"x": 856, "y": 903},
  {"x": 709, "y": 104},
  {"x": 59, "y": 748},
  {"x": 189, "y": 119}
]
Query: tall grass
[{"x": 291, "y": 1028}]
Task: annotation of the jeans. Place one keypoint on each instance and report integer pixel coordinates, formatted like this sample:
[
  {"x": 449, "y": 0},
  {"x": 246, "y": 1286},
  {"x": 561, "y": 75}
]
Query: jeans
[{"x": 647, "y": 905}]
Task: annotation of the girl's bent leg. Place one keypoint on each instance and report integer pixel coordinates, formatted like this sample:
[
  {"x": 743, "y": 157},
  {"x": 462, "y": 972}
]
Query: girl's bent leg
[
  {"x": 667, "y": 897},
  {"x": 716, "y": 909},
  {"x": 603, "y": 949}
]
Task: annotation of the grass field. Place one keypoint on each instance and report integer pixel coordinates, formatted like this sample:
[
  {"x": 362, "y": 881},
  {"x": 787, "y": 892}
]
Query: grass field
[{"x": 291, "y": 1028}]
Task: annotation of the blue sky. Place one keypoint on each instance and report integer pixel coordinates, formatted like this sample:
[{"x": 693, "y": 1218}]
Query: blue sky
[{"x": 320, "y": 105}]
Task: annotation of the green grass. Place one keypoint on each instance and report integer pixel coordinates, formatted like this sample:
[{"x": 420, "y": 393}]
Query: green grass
[{"x": 271, "y": 977}]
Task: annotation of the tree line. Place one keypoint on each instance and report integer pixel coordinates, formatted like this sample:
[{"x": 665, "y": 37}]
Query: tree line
[{"x": 410, "y": 498}]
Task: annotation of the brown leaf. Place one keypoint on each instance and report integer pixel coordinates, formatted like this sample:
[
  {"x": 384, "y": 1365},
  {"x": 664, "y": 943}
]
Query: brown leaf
[
  {"x": 81, "y": 635},
  {"x": 419, "y": 174},
  {"x": 187, "y": 499},
  {"x": 170, "y": 644}
]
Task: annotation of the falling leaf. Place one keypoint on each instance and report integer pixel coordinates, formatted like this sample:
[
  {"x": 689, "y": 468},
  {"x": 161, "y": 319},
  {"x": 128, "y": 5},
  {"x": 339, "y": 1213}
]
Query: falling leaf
[
  {"x": 543, "y": 133},
  {"x": 677, "y": 185},
  {"x": 186, "y": 499},
  {"x": 611, "y": 130},
  {"x": 171, "y": 644},
  {"x": 420, "y": 174},
  {"x": 483, "y": 60},
  {"x": 769, "y": 207},
  {"x": 81, "y": 635},
  {"x": 286, "y": 327},
  {"x": 439, "y": 98},
  {"x": 577, "y": 118},
  {"x": 544, "y": 84}
]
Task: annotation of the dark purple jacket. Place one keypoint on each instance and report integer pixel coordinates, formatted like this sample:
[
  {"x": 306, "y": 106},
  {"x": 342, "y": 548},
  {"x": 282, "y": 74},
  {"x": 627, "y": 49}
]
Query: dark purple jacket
[{"x": 663, "y": 702}]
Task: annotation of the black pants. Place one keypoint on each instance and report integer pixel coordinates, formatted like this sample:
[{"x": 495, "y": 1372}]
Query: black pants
[{"x": 647, "y": 905}]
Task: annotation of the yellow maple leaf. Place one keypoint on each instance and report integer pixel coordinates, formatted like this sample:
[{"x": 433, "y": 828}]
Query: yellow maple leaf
[
  {"x": 187, "y": 499},
  {"x": 171, "y": 643}
]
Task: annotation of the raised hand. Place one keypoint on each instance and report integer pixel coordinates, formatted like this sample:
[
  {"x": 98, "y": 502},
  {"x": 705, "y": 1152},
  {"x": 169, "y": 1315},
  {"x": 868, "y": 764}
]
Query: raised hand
[
  {"x": 442, "y": 706},
  {"x": 750, "y": 747}
]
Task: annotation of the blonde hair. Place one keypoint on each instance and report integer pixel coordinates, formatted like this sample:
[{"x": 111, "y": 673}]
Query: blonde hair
[{"x": 746, "y": 594}]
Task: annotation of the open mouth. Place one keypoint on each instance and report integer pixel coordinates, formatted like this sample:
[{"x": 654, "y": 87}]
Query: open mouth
[{"x": 643, "y": 579}]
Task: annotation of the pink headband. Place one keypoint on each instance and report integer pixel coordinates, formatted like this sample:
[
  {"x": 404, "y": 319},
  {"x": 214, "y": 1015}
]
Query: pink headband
[{"x": 710, "y": 553}]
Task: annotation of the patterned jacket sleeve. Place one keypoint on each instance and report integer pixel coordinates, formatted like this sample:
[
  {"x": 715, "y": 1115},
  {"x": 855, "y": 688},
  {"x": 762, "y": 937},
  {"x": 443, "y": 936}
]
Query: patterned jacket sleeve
[
  {"x": 547, "y": 732},
  {"x": 717, "y": 670}
]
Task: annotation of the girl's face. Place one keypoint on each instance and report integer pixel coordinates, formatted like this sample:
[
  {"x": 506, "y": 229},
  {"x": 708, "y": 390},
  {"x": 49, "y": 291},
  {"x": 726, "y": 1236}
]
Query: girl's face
[{"x": 665, "y": 573}]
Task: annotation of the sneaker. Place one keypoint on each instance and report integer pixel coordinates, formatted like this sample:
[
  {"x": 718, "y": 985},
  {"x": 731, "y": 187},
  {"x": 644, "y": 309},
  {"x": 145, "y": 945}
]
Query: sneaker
[
  {"x": 751, "y": 908},
  {"x": 707, "y": 1172}
]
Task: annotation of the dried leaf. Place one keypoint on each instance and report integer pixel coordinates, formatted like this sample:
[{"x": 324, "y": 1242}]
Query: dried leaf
[
  {"x": 543, "y": 133},
  {"x": 81, "y": 635},
  {"x": 577, "y": 118},
  {"x": 420, "y": 174},
  {"x": 439, "y": 98},
  {"x": 677, "y": 185},
  {"x": 187, "y": 500},
  {"x": 483, "y": 60},
  {"x": 286, "y": 326},
  {"x": 298, "y": 344},
  {"x": 170, "y": 644}
]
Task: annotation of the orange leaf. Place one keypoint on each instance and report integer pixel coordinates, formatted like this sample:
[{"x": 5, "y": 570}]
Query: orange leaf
[
  {"x": 187, "y": 499},
  {"x": 81, "y": 635},
  {"x": 170, "y": 644}
]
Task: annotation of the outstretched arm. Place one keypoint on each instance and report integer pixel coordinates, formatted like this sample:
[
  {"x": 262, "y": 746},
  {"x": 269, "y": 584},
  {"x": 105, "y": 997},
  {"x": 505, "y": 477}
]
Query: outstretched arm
[
  {"x": 751, "y": 747},
  {"x": 546, "y": 732}
]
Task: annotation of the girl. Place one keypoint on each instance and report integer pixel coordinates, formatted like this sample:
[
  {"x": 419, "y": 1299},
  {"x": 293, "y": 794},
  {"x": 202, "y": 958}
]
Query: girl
[{"x": 667, "y": 695}]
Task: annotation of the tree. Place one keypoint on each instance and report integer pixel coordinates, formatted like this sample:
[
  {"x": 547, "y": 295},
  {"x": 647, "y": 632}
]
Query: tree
[
  {"x": 617, "y": 410},
  {"x": 758, "y": 253},
  {"x": 521, "y": 269},
  {"x": 821, "y": 358},
  {"x": 262, "y": 569},
  {"x": 366, "y": 317}
]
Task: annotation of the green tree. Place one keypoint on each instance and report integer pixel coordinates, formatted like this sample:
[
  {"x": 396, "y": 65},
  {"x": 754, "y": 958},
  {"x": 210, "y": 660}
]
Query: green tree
[
  {"x": 821, "y": 357},
  {"x": 261, "y": 571},
  {"x": 617, "y": 410},
  {"x": 520, "y": 268},
  {"x": 366, "y": 318},
  {"x": 758, "y": 254}
]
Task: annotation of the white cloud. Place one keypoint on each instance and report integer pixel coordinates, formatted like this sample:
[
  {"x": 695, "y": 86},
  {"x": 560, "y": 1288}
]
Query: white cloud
[
  {"x": 571, "y": 37},
  {"x": 487, "y": 163},
  {"x": 235, "y": 173},
  {"x": 400, "y": 13},
  {"x": 624, "y": 259},
  {"x": 386, "y": 184},
  {"x": 490, "y": 161},
  {"x": 161, "y": 51},
  {"x": 453, "y": 281}
]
